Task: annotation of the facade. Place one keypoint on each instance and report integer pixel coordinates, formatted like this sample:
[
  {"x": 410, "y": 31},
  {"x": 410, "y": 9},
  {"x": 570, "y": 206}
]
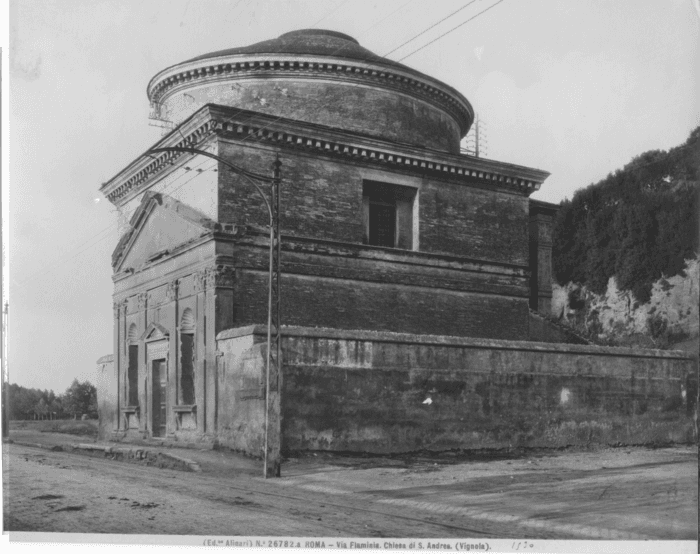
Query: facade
[{"x": 385, "y": 226}]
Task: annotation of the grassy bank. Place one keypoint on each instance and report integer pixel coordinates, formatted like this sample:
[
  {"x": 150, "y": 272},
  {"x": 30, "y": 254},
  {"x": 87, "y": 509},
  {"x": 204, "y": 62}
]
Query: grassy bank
[{"x": 87, "y": 428}]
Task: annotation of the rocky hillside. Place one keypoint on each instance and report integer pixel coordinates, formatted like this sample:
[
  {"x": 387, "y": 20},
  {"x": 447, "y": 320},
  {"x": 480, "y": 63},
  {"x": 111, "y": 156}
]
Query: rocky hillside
[
  {"x": 626, "y": 253},
  {"x": 668, "y": 320}
]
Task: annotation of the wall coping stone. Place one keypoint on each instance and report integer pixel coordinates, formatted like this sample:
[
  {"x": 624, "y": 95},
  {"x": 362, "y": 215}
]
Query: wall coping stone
[{"x": 260, "y": 334}]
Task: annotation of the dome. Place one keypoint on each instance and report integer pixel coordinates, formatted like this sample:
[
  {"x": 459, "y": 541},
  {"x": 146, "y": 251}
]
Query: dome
[{"x": 318, "y": 76}]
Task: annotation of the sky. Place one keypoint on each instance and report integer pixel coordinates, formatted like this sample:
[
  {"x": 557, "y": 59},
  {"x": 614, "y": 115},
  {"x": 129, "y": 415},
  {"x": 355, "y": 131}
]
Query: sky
[{"x": 575, "y": 88}]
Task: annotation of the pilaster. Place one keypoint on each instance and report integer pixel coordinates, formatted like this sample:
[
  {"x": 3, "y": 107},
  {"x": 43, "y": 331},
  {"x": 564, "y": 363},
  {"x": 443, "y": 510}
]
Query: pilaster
[
  {"x": 171, "y": 294},
  {"x": 541, "y": 227},
  {"x": 118, "y": 318},
  {"x": 200, "y": 350},
  {"x": 144, "y": 389},
  {"x": 210, "y": 278}
]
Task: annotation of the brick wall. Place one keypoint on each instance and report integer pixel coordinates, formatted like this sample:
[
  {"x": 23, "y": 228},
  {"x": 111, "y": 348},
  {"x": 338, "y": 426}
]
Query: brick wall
[
  {"x": 322, "y": 198},
  {"x": 358, "y": 287},
  {"x": 474, "y": 223},
  {"x": 324, "y": 302},
  {"x": 375, "y": 112}
]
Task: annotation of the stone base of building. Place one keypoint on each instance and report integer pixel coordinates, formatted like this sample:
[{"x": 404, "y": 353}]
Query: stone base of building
[{"x": 386, "y": 392}]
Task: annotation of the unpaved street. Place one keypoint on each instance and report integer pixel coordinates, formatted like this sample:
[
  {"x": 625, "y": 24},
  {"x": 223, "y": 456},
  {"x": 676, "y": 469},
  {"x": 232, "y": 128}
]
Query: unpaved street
[{"x": 613, "y": 494}]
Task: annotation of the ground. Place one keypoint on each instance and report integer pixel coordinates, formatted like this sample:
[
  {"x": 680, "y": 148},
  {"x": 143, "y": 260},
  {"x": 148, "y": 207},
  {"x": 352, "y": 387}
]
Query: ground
[{"x": 612, "y": 493}]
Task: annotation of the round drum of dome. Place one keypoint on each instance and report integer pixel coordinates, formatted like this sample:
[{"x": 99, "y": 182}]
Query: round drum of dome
[{"x": 321, "y": 77}]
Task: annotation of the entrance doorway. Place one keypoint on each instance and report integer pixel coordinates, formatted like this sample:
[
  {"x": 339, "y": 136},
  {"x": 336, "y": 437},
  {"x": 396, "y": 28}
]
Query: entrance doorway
[{"x": 159, "y": 397}]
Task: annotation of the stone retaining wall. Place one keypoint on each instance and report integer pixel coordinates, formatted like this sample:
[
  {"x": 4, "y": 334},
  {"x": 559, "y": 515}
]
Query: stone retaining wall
[{"x": 390, "y": 392}]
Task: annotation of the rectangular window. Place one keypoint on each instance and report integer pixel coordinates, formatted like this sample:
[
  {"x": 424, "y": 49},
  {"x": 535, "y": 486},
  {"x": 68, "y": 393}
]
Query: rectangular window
[{"x": 387, "y": 212}]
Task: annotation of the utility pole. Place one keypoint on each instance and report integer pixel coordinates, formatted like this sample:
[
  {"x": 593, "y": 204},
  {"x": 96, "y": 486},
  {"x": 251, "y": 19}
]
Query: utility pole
[
  {"x": 273, "y": 363},
  {"x": 3, "y": 327},
  {"x": 5, "y": 373},
  {"x": 273, "y": 414}
]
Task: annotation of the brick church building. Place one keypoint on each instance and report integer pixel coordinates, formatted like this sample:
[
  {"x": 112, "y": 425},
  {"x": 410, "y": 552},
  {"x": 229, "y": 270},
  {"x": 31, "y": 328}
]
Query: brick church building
[{"x": 386, "y": 226}]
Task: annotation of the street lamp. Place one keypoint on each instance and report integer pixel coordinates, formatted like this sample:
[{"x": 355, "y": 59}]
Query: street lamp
[{"x": 274, "y": 346}]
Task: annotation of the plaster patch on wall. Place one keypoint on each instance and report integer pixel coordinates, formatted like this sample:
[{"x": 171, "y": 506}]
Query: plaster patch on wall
[{"x": 565, "y": 395}]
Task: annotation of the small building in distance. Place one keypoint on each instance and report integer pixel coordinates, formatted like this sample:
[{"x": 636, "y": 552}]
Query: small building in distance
[{"x": 386, "y": 228}]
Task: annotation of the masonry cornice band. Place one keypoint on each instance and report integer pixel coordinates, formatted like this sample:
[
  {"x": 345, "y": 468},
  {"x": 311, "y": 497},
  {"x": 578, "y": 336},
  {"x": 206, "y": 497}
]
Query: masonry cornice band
[{"x": 213, "y": 120}]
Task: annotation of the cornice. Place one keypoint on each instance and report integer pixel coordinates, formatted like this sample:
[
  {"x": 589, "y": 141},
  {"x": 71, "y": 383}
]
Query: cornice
[
  {"x": 541, "y": 207},
  {"x": 254, "y": 236},
  {"x": 246, "y": 66},
  {"x": 210, "y": 275},
  {"x": 255, "y": 128},
  {"x": 192, "y": 133}
]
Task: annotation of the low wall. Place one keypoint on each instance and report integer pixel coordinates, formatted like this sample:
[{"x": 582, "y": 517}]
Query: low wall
[
  {"x": 106, "y": 385},
  {"x": 240, "y": 411},
  {"x": 543, "y": 330},
  {"x": 388, "y": 392}
]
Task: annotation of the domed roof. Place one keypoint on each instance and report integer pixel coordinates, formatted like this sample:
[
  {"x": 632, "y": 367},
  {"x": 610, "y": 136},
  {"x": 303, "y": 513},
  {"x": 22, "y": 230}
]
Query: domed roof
[
  {"x": 318, "y": 76},
  {"x": 308, "y": 42}
]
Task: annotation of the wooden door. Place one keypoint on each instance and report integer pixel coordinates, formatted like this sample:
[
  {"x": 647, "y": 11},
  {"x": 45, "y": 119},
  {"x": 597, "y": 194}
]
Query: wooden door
[{"x": 159, "y": 397}]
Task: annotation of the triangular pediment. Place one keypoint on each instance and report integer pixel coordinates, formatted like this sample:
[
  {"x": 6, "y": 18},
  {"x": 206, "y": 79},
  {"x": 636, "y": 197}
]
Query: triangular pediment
[
  {"x": 159, "y": 225},
  {"x": 154, "y": 332}
]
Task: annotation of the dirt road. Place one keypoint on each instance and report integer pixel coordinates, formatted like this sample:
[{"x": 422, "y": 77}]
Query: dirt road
[{"x": 615, "y": 494}]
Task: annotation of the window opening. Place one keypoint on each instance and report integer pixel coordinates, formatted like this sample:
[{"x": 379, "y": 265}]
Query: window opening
[
  {"x": 388, "y": 214},
  {"x": 382, "y": 224}
]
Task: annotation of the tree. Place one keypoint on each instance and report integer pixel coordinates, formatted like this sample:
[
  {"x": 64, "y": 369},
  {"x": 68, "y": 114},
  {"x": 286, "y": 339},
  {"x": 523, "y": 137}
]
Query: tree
[
  {"x": 569, "y": 248},
  {"x": 80, "y": 398},
  {"x": 638, "y": 224},
  {"x": 56, "y": 407},
  {"x": 41, "y": 409},
  {"x": 636, "y": 267},
  {"x": 23, "y": 401}
]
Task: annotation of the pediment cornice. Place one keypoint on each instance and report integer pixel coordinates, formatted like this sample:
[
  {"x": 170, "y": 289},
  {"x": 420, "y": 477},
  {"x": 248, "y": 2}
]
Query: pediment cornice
[
  {"x": 153, "y": 332},
  {"x": 149, "y": 202}
]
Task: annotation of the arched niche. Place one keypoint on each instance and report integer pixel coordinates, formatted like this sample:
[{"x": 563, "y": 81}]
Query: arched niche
[
  {"x": 187, "y": 357},
  {"x": 132, "y": 377}
]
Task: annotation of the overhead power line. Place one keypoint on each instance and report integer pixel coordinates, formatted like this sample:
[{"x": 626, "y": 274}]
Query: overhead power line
[
  {"x": 453, "y": 29},
  {"x": 428, "y": 29},
  {"x": 104, "y": 233},
  {"x": 330, "y": 12},
  {"x": 402, "y": 6},
  {"x": 113, "y": 225},
  {"x": 266, "y": 126}
]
